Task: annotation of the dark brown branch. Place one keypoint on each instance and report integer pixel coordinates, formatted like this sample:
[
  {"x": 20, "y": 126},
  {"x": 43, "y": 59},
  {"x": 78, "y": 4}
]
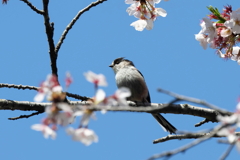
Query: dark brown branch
[
  {"x": 188, "y": 146},
  {"x": 70, "y": 25},
  {"x": 49, "y": 31},
  {"x": 33, "y": 7},
  {"x": 155, "y": 108},
  {"x": 23, "y": 87},
  {"x": 193, "y": 100},
  {"x": 186, "y": 136},
  {"x": 202, "y": 122},
  {"x": 25, "y": 116},
  {"x": 82, "y": 98}
]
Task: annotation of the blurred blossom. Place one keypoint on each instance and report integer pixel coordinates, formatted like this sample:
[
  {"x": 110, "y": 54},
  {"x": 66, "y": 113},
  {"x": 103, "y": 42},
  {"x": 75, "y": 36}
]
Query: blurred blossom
[
  {"x": 97, "y": 79},
  {"x": 46, "y": 130},
  {"x": 83, "y": 135},
  {"x": 68, "y": 79},
  {"x": 47, "y": 87},
  {"x": 119, "y": 98}
]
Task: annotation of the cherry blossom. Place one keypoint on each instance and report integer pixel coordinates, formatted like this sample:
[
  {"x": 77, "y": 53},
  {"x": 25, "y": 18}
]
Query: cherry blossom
[
  {"x": 46, "y": 130},
  {"x": 97, "y": 79},
  {"x": 223, "y": 34},
  {"x": 226, "y": 32},
  {"x": 236, "y": 54},
  {"x": 83, "y": 135},
  {"x": 202, "y": 38},
  {"x": 209, "y": 28},
  {"x": 146, "y": 12},
  {"x": 139, "y": 25},
  {"x": 47, "y": 87},
  {"x": 229, "y": 132},
  {"x": 119, "y": 98},
  {"x": 234, "y": 22},
  {"x": 86, "y": 115},
  {"x": 68, "y": 79}
]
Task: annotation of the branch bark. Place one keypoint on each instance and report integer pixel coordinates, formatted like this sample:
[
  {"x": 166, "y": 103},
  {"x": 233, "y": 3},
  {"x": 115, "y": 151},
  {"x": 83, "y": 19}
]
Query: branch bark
[
  {"x": 23, "y": 87},
  {"x": 186, "y": 109},
  {"x": 186, "y": 136},
  {"x": 49, "y": 28},
  {"x": 33, "y": 7}
]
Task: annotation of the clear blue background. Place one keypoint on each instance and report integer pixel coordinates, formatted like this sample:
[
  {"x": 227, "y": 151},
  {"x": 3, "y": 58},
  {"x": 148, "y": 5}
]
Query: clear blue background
[{"x": 168, "y": 56}]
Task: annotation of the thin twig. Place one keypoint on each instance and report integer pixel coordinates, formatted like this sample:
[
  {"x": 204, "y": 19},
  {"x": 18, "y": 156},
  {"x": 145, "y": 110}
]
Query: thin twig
[
  {"x": 70, "y": 25},
  {"x": 224, "y": 156},
  {"x": 186, "y": 136},
  {"x": 202, "y": 122},
  {"x": 193, "y": 100},
  {"x": 76, "y": 96},
  {"x": 186, "y": 147},
  {"x": 23, "y": 87},
  {"x": 26, "y": 116},
  {"x": 33, "y": 7}
]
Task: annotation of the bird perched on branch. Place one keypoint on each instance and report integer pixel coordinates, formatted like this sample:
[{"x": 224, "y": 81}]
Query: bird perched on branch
[{"x": 127, "y": 75}]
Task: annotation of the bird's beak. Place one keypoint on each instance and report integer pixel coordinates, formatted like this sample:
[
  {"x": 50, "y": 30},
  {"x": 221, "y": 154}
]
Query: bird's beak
[{"x": 110, "y": 66}]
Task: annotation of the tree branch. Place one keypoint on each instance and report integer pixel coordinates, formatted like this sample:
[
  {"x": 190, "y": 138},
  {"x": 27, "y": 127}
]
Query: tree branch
[
  {"x": 154, "y": 108},
  {"x": 25, "y": 116},
  {"x": 49, "y": 31},
  {"x": 193, "y": 100},
  {"x": 70, "y": 25},
  {"x": 33, "y": 7},
  {"x": 202, "y": 122},
  {"x": 23, "y": 87},
  {"x": 186, "y": 136},
  {"x": 188, "y": 146}
]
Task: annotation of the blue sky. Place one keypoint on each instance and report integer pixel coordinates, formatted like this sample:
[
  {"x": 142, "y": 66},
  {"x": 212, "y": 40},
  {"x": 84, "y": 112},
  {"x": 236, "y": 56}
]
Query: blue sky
[{"x": 168, "y": 56}]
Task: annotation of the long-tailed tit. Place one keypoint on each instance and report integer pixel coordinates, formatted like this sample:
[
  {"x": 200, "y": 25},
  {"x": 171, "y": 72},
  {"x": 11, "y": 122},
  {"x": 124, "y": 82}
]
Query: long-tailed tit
[{"x": 127, "y": 75}]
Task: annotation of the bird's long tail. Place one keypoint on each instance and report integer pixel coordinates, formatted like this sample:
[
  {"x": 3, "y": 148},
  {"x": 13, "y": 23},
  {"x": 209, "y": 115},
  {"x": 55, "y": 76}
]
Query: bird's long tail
[{"x": 164, "y": 123}]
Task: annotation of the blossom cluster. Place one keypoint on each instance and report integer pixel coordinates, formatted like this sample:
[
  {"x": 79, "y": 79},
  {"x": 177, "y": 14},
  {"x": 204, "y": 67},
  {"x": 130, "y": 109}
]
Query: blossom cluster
[
  {"x": 232, "y": 123},
  {"x": 61, "y": 113},
  {"x": 146, "y": 12},
  {"x": 221, "y": 31}
]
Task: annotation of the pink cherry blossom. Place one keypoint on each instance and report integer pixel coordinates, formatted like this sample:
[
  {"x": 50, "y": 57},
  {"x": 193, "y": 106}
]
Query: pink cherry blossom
[
  {"x": 236, "y": 54},
  {"x": 119, "y": 98},
  {"x": 83, "y": 135},
  {"x": 234, "y": 22},
  {"x": 146, "y": 12},
  {"x": 46, "y": 130},
  {"x": 68, "y": 79},
  {"x": 208, "y": 28},
  {"x": 229, "y": 132},
  {"x": 47, "y": 87},
  {"x": 97, "y": 79},
  {"x": 202, "y": 38},
  {"x": 139, "y": 25}
]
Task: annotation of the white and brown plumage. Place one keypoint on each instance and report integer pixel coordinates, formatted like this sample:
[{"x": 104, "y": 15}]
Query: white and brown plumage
[{"x": 126, "y": 75}]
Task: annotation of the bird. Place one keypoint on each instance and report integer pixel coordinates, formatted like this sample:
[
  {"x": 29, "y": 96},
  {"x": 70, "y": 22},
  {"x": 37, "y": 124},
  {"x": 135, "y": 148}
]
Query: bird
[{"x": 127, "y": 75}]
